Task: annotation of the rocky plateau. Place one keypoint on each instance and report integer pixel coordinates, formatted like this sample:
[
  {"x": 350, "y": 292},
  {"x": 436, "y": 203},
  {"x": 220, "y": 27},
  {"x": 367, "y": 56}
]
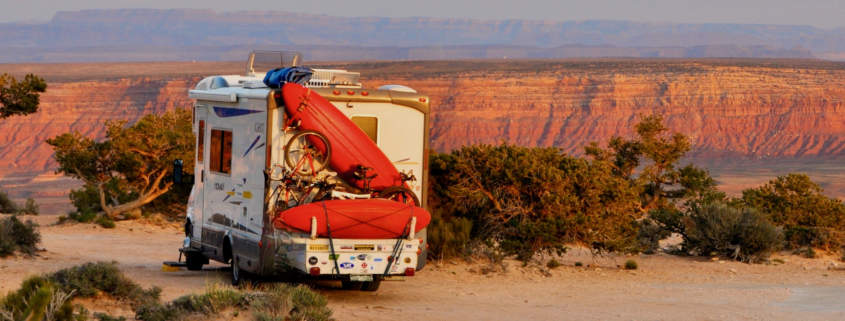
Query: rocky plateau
[{"x": 748, "y": 119}]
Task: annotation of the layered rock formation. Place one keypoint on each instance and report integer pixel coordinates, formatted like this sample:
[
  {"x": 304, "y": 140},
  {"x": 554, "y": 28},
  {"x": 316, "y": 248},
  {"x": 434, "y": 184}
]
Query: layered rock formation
[{"x": 731, "y": 109}]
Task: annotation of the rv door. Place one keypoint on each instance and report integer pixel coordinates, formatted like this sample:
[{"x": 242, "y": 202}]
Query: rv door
[{"x": 200, "y": 170}]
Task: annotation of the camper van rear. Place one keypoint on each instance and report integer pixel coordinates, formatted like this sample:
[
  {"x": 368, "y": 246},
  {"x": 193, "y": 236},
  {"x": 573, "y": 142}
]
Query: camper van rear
[{"x": 241, "y": 137}]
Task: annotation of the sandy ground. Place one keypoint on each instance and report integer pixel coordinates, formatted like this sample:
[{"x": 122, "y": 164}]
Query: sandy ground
[{"x": 663, "y": 288}]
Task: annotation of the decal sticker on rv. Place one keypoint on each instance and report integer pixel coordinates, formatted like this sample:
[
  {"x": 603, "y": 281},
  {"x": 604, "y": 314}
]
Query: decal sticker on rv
[
  {"x": 346, "y": 265},
  {"x": 378, "y": 260},
  {"x": 233, "y": 112},
  {"x": 259, "y": 128},
  {"x": 364, "y": 265},
  {"x": 251, "y": 146},
  {"x": 346, "y": 247},
  {"x": 334, "y": 257}
]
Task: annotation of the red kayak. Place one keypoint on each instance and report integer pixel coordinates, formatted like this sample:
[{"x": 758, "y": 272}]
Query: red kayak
[
  {"x": 355, "y": 219},
  {"x": 350, "y": 145}
]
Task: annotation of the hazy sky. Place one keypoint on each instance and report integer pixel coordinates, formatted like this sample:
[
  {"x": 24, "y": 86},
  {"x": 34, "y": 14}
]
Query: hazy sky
[{"x": 819, "y": 13}]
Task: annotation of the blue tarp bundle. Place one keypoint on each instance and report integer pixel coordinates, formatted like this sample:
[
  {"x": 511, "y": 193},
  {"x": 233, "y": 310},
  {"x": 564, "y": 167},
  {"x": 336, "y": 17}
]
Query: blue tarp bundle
[{"x": 277, "y": 77}]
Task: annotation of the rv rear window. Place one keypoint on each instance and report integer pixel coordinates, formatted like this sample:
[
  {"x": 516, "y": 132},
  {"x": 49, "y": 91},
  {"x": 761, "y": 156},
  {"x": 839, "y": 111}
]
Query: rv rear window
[
  {"x": 201, "y": 141},
  {"x": 221, "y": 151},
  {"x": 369, "y": 124}
]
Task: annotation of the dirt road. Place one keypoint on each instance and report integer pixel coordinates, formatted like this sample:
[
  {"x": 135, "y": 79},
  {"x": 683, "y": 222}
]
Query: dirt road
[{"x": 665, "y": 287}]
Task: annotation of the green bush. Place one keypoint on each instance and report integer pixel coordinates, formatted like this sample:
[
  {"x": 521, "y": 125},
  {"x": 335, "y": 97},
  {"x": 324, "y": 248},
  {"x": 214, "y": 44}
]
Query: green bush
[
  {"x": 535, "y": 199},
  {"x": 741, "y": 234},
  {"x": 18, "y": 236},
  {"x": 37, "y": 299},
  {"x": 808, "y": 217},
  {"x": 579, "y": 264},
  {"x": 7, "y": 206},
  {"x": 105, "y": 317},
  {"x": 447, "y": 238},
  {"x": 553, "y": 264},
  {"x": 83, "y": 216},
  {"x": 105, "y": 222},
  {"x": 631, "y": 265},
  {"x": 88, "y": 279},
  {"x": 273, "y": 302},
  {"x": 814, "y": 237}
]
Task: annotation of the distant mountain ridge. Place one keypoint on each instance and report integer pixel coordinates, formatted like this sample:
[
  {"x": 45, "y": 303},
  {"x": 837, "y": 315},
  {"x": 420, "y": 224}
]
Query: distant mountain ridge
[{"x": 99, "y": 31}]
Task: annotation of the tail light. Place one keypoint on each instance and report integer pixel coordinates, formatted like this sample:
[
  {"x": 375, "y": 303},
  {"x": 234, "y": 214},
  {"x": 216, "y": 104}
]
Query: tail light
[
  {"x": 409, "y": 272},
  {"x": 315, "y": 271},
  {"x": 277, "y": 96},
  {"x": 419, "y": 250},
  {"x": 421, "y": 240}
]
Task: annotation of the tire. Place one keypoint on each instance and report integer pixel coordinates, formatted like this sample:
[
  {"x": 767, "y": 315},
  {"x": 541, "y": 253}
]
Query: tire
[
  {"x": 352, "y": 285},
  {"x": 195, "y": 261},
  {"x": 400, "y": 194},
  {"x": 307, "y": 137},
  {"x": 237, "y": 273},
  {"x": 371, "y": 286}
]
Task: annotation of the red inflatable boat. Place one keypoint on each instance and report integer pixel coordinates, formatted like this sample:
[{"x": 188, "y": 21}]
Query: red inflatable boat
[
  {"x": 350, "y": 145},
  {"x": 355, "y": 219}
]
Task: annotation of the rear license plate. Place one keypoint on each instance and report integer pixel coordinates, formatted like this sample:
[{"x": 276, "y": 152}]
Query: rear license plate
[
  {"x": 318, "y": 247},
  {"x": 361, "y": 278}
]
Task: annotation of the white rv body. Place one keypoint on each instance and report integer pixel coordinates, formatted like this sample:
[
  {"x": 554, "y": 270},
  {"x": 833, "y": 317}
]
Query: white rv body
[{"x": 240, "y": 140}]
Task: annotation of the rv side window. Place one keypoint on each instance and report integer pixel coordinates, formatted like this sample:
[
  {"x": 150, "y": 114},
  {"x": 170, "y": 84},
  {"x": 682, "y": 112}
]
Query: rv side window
[
  {"x": 369, "y": 124},
  {"x": 201, "y": 141},
  {"x": 221, "y": 151}
]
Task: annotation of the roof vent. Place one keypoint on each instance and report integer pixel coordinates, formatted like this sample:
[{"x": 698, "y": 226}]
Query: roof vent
[{"x": 218, "y": 82}]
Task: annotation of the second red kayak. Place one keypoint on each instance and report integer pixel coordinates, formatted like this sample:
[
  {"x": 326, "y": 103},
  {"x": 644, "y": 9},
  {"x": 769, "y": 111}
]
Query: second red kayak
[{"x": 355, "y": 219}]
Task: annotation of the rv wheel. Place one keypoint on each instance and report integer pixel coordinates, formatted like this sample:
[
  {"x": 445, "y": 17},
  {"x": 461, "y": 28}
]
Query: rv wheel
[
  {"x": 352, "y": 285},
  {"x": 371, "y": 286},
  {"x": 237, "y": 273},
  {"x": 194, "y": 261}
]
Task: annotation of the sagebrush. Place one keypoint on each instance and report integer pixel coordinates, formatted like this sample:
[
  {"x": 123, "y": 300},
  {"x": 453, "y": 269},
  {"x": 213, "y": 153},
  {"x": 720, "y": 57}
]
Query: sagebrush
[
  {"x": 16, "y": 235},
  {"x": 742, "y": 234}
]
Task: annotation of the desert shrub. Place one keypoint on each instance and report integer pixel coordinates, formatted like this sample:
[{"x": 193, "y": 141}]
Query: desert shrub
[
  {"x": 535, "y": 199},
  {"x": 447, "y": 237},
  {"x": 742, "y": 234},
  {"x": 37, "y": 299},
  {"x": 553, "y": 264},
  {"x": 31, "y": 208},
  {"x": 89, "y": 279},
  {"x": 650, "y": 234},
  {"x": 814, "y": 237},
  {"x": 18, "y": 236},
  {"x": 105, "y": 222},
  {"x": 83, "y": 216},
  {"x": 631, "y": 265},
  {"x": 808, "y": 217},
  {"x": 579, "y": 264},
  {"x": 7, "y": 206},
  {"x": 272, "y": 302}
]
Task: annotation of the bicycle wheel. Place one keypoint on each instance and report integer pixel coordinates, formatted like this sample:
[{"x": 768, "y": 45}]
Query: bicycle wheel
[
  {"x": 400, "y": 194},
  {"x": 308, "y": 152}
]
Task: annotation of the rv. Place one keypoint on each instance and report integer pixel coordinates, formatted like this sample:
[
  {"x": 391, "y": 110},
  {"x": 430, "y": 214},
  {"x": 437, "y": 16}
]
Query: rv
[{"x": 241, "y": 135}]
